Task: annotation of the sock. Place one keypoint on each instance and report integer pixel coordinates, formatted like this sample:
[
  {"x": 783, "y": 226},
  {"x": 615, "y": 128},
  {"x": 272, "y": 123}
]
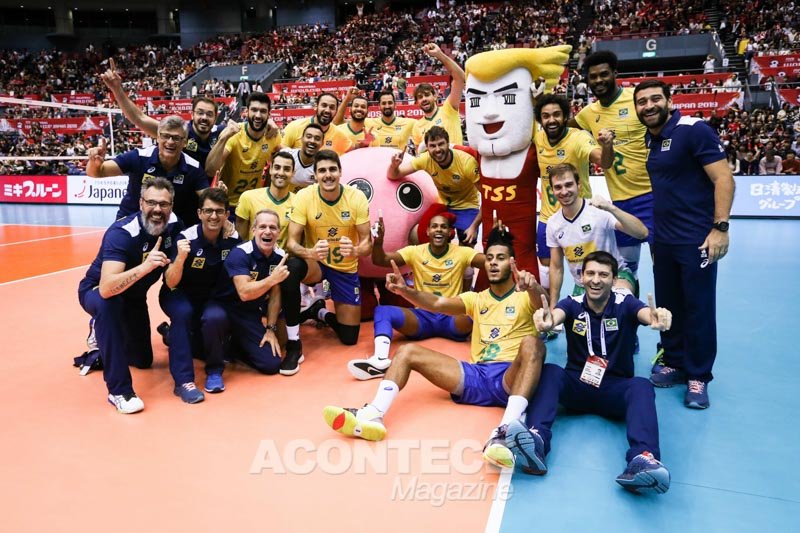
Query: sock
[
  {"x": 322, "y": 313},
  {"x": 514, "y": 409},
  {"x": 293, "y": 333},
  {"x": 387, "y": 391},
  {"x": 382, "y": 344}
]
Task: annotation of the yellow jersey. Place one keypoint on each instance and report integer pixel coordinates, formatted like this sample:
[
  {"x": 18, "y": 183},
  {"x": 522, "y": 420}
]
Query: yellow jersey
[
  {"x": 332, "y": 221},
  {"x": 335, "y": 138},
  {"x": 447, "y": 117},
  {"x": 394, "y": 134},
  {"x": 499, "y": 324},
  {"x": 251, "y": 202},
  {"x": 574, "y": 147},
  {"x": 355, "y": 137},
  {"x": 442, "y": 275},
  {"x": 627, "y": 177},
  {"x": 247, "y": 157},
  {"x": 457, "y": 182}
]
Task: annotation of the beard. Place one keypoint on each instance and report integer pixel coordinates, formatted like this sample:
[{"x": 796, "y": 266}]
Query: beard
[
  {"x": 252, "y": 126},
  {"x": 152, "y": 227},
  {"x": 502, "y": 279}
]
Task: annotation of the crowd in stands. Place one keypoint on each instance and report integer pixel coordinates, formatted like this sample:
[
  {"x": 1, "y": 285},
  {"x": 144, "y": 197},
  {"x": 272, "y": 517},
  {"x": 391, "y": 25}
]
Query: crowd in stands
[{"x": 382, "y": 49}]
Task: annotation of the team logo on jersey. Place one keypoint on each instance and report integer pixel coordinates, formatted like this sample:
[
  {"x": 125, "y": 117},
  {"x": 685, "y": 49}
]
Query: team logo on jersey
[
  {"x": 541, "y": 151},
  {"x": 578, "y": 251},
  {"x": 264, "y": 147},
  {"x": 425, "y": 262},
  {"x": 332, "y": 232},
  {"x": 224, "y": 254},
  {"x": 579, "y": 327},
  {"x": 623, "y": 112},
  {"x": 254, "y": 275},
  {"x": 199, "y": 262},
  {"x": 561, "y": 153},
  {"x": 245, "y": 149},
  {"x": 510, "y": 311},
  {"x": 494, "y": 333},
  {"x": 456, "y": 177},
  {"x": 167, "y": 242},
  {"x": 665, "y": 144},
  {"x": 144, "y": 248},
  {"x": 448, "y": 263},
  {"x": 356, "y": 291},
  {"x": 586, "y": 228},
  {"x": 484, "y": 310},
  {"x": 191, "y": 145},
  {"x": 329, "y": 143},
  {"x": 178, "y": 180},
  {"x": 319, "y": 215},
  {"x": 147, "y": 176},
  {"x": 345, "y": 215},
  {"x": 151, "y": 169},
  {"x": 437, "y": 278},
  {"x": 560, "y": 235},
  {"x": 199, "y": 252},
  {"x": 597, "y": 118},
  {"x": 611, "y": 324}
]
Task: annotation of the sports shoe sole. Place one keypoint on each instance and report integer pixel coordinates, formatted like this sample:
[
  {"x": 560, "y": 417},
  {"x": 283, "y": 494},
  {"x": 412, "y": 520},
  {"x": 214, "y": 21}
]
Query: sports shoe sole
[
  {"x": 649, "y": 482},
  {"x": 499, "y": 456},
  {"x": 346, "y": 423},
  {"x": 523, "y": 445},
  {"x": 696, "y": 405},
  {"x": 362, "y": 370},
  {"x": 197, "y": 399},
  {"x": 294, "y": 370}
]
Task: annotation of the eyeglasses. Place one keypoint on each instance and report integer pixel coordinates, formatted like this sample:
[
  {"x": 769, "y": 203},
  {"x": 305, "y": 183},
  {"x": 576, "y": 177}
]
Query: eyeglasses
[
  {"x": 153, "y": 203},
  {"x": 208, "y": 211},
  {"x": 168, "y": 137},
  {"x": 209, "y": 114}
]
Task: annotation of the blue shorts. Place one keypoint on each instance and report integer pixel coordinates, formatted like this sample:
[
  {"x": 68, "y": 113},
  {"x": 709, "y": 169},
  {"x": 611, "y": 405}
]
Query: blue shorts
[
  {"x": 642, "y": 208},
  {"x": 464, "y": 218},
  {"x": 542, "y": 250},
  {"x": 436, "y": 325},
  {"x": 483, "y": 384},
  {"x": 345, "y": 286}
]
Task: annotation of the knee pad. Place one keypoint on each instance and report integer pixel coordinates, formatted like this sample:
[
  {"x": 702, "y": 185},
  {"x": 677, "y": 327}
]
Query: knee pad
[
  {"x": 298, "y": 269},
  {"x": 348, "y": 335}
]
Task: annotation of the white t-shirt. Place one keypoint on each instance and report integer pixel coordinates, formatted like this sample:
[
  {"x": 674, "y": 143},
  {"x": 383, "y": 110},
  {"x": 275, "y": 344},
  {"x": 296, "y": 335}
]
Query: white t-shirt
[
  {"x": 592, "y": 230},
  {"x": 303, "y": 175}
]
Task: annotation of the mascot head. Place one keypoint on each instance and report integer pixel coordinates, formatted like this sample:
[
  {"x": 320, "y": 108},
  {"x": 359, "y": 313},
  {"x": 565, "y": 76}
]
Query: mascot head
[
  {"x": 402, "y": 202},
  {"x": 498, "y": 99}
]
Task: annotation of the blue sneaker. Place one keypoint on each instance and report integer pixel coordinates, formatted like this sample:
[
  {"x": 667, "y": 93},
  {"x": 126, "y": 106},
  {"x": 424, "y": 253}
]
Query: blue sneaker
[
  {"x": 666, "y": 376},
  {"x": 645, "y": 475},
  {"x": 189, "y": 393},
  {"x": 528, "y": 448},
  {"x": 214, "y": 383},
  {"x": 697, "y": 395}
]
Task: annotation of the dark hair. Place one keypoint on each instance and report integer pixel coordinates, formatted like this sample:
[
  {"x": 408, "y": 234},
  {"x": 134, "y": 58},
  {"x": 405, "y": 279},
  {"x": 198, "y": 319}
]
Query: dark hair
[
  {"x": 423, "y": 88},
  {"x": 386, "y": 93},
  {"x": 259, "y": 97},
  {"x": 561, "y": 169},
  {"x": 359, "y": 97},
  {"x": 314, "y": 126},
  {"x": 326, "y": 93},
  {"x": 501, "y": 237},
  {"x": 284, "y": 154},
  {"x": 327, "y": 155},
  {"x": 604, "y": 258},
  {"x": 649, "y": 84},
  {"x": 547, "y": 99},
  {"x": 601, "y": 57},
  {"x": 205, "y": 100},
  {"x": 158, "y": 183},
  {"x": 215, "y": 194},
  {"x": 436, "y": 132}
]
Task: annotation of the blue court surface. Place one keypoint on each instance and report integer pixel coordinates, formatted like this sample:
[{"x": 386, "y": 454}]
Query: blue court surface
[{"x": 735, "y": 466}]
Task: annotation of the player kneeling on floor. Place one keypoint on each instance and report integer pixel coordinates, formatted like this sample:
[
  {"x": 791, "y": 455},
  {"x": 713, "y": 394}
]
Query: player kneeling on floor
[
  {"x": 507, "y": 354},
  {"x": 601, "y": 331}
]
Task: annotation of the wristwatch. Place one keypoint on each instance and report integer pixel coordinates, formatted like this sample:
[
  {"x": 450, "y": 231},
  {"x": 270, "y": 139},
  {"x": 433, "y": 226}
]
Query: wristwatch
[
  {"x": 722, "y": 225},
  {"x": 272, "y": 327}
]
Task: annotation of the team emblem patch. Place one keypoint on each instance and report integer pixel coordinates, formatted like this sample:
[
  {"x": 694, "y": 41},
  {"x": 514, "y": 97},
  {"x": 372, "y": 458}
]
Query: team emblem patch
[
  {"x": 494, "y": 333},
  {"x": 332, "y": 232},
  {"x": 437, "y": 278},
  {"x": 199, "y": 262},
  {"x": 579, "y": 327},
  {"x": 178, "y": 180},
  {"x": 586, "y": 228},
  {"x": 345, "y": 215},
  {"x": 510, "y": 311},
  {"x": 191, "y": 145},
  {"x": 561, "y": 153},
  {"x": 623, "y": 112},
  {"x": 224, "y": 254},
  {"x": 167, "y": 242},
  {"x": 456, "y": 177},
  {"x": 254, "y": 275},
  {"x": 448, "y": 263},
  {"x": 264, "y": 147},
  {"x": 665, "y": 144},
  {"x": 611, "y": 324}
]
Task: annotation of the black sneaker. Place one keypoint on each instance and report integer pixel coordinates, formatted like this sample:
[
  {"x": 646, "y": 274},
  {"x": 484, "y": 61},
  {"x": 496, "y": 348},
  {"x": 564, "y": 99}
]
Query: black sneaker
[
  {"x": 313, "y": 311},
  {"x": 163, "y": 330},
  {"x": 294, "y": 356}
]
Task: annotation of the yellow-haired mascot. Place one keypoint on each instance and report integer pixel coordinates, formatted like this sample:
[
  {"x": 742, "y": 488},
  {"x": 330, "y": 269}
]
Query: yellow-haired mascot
[{"x": 500, "y": 125}]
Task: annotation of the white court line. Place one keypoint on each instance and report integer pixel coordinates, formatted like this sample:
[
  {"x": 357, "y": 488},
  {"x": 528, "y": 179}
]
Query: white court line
[
  {"x": 42, "y": 275},
  {"x": 499, "y": 504},
  {"x": 50, "y": 225},
  {"x": 50, "y": 238}
]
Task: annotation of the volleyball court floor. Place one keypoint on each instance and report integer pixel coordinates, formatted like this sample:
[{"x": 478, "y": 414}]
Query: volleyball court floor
[{"x": 259, "y": 456}]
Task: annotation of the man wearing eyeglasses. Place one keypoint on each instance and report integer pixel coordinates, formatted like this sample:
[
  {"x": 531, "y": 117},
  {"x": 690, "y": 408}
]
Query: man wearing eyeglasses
[
  {"x": 194, "y": 271},
  {"x": 134, "y": 253},
  {"x": 165, "y": 160}
]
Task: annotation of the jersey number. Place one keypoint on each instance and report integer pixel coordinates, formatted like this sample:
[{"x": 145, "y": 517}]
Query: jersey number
[
  {"x": 619, "y": 161},
  {"x": 491, "y": 352},
  {"x": 245, "y": 185},
  {"x": 334, "y": 256}
]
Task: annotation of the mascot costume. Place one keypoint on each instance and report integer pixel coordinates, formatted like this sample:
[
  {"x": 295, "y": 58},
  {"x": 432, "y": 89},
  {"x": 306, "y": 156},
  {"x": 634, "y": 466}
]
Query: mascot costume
[{"x": 500, "y": 125}]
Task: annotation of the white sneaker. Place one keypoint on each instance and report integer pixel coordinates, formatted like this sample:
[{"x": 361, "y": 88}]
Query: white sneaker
[
  {"x": 364, "y": 369},
  {"x": 126, "y": 403}
]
